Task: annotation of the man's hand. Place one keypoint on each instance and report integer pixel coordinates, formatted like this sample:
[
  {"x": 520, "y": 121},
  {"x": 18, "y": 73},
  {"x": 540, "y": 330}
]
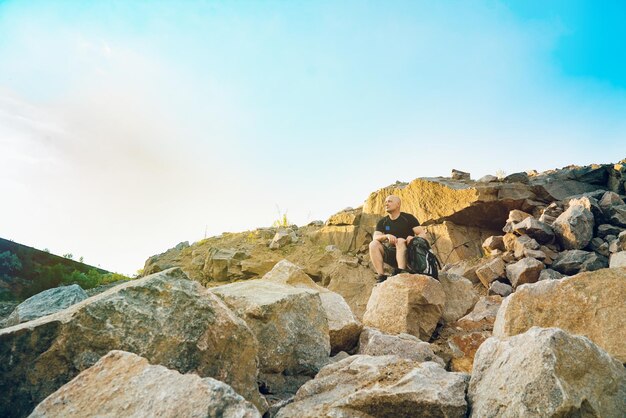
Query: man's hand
[
  {"x": 391, "y": 239},
  {"x": 409, "y": 239}
]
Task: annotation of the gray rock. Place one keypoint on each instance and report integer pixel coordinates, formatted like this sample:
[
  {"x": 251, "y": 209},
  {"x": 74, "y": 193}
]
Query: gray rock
[
  {"x": 487, "y": 179},
  {"x": 46, "y": 303},
  {"x": 546, "y": 373},
  {"x": 575, "y": 261},
  {"x": 380, "y": 386},
  {"x": 221, "y": 263},
  {"x": 526, "y": 270},
  {"x": 608, "y": 200},
  {"x": 516, "y": 178},
  {"x": 598, "y": 245},
  {"x": 523, "y": 244},
  {"x": 550, "y": 213},
  {"x": 535, "y": 229},
  {"x": 499, "y": 288},
  {"x": 574, "y": 227},
  {"x": 406, "y": 346},
  {"x": 284, "y": 236},
  {"x": 618, "y": 215},
  {"x": 460, "y": 175},
  {"x": 605, "y": 230},
  {"x": 536, "y": 254},
  {"x": 124, "y": 384},
  {"x": 549, "y": 274}
]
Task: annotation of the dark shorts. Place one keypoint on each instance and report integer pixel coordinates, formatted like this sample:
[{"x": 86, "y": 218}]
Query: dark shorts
[{"x": 389, "y": 256}]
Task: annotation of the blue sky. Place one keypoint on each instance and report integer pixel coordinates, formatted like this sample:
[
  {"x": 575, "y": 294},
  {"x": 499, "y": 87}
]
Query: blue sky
[{"x": 126, "y": 127}]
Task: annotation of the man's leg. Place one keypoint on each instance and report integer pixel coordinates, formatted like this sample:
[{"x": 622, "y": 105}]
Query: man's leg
[
  {"x": 401, "y": 253},
  {"x": 376, "y": 255}
]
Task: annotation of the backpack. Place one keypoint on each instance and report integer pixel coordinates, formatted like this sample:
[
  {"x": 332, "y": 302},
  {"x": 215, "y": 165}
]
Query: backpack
[{"x": 421, "y": 259}]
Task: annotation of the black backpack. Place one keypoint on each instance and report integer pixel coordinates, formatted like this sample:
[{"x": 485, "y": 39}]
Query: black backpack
[{"x": 421, "y": 259}]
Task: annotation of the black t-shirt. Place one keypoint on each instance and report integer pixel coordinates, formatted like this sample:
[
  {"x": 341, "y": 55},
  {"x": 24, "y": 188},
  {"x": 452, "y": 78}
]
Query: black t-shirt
[{"x": 401, "y": 227}]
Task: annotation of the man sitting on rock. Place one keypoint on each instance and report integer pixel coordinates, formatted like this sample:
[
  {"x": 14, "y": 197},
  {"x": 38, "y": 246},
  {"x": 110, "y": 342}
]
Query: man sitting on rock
[{"x": 396, "y": 231}]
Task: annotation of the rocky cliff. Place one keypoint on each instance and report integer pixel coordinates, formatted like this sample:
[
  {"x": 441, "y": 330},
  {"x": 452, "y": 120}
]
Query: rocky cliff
[{"x": 526, "y": 318}]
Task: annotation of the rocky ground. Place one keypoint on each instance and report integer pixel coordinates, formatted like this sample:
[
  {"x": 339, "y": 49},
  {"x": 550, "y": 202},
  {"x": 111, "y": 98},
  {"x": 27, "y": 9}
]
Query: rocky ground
[{"x": 526, "y": 319}]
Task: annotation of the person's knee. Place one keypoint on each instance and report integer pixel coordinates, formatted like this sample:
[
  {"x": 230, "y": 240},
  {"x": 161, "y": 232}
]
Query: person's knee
[{"x": 376, "y": 245}]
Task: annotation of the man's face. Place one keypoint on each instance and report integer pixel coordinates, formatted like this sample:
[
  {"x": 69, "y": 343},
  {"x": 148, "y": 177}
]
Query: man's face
[{"x": 392, "y": 203}]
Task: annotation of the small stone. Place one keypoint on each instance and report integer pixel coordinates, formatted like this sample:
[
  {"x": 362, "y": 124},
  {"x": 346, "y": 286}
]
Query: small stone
[
  {"x": 549, "y": 274},
  {"x": 487, "y": 179},
  {"x": 517, "y": 178},
  {"x": 491, "y": 271},
  {"x": 618, "y": 260},
  {"x": 499, "y": 288},
  {"x": 460, "y": 175},
  {"x": 539, "y": 231},
  {"x": 494, "y": 242},
  {"x": 526, "y": 270}
]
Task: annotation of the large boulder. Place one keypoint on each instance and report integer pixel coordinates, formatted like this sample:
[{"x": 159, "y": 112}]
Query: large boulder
[
  {"x": 406, "y": 303},
  {"x": 589, "y": 304},
  {"x": 546, "y": 373},
  {"x": 380, "y": 386},
  {"x": 289, "y": 323},
  {"x": 166, "y": 318},
  {"x": 574, "y": 227},
  {"x": 46, "y": 303},
  {"x": 124, "y": 384},
  {"x": 355, "y": 284},
  {"x": 343, "y": 326},
  {"x": 460, "y": 296},
  {"x": 374, "y": 343}
]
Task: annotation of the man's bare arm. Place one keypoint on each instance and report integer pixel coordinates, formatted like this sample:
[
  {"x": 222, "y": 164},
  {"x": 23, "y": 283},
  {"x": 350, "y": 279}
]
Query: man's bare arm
[
  {"x": 379, "y": 236},
  {"x": 420, "y": 231}
]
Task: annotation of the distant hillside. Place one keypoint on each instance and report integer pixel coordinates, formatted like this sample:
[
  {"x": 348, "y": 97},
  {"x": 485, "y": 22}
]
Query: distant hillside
[{"x": 25, "y": 271}]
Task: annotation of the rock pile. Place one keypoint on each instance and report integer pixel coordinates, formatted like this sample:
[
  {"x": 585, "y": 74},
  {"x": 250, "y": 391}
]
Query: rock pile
[{"x": 567, "y": 237}]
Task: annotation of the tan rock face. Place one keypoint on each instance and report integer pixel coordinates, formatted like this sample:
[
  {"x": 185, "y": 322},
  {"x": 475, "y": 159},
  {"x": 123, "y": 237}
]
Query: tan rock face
[
  {"x": 342, "y": 236},
  {"x": 546, "y": 373},
  {"x": 436, "y": 200},
  {"x": 289, "y": 323},
  {"x": 380, "y": 386},
  {"x": 406, "y": 303},
  {"x": 166, "y": 318},
  {"x": 589, "y": 304},
  {"x": 466, "y": 345},
  {"x": 453, "y": 243},
  {"x": 345, "y": 217},
  {"x": 124, "y": 384}
]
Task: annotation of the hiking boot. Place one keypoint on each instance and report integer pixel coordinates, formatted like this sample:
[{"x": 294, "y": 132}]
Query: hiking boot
[{"x": 381, "y": 278}]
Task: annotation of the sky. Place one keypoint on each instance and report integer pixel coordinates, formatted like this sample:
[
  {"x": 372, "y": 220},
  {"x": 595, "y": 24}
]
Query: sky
[{"x": 128, "y": 127}]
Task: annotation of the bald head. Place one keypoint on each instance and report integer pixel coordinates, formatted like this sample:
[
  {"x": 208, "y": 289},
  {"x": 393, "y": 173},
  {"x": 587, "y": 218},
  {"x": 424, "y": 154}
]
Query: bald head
[{"x": 392, "y": 204}]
